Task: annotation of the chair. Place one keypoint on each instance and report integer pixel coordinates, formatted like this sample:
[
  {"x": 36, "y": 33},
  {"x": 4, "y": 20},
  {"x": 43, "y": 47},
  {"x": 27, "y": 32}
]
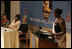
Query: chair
[{"x": 25, "y": 38}]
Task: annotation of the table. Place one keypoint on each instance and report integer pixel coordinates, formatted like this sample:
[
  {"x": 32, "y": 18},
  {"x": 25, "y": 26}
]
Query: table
[
  {"x": 38, "y": 40},
  {"x": 9, "y": 38}
]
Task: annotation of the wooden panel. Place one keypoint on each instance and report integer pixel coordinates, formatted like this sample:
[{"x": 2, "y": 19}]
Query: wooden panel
[
  {"x": 15, "y": 9},
  {"x": 36, "y": 41},
  {"x": 47, "y": 44},
  {"x": 31, "y": 40}
]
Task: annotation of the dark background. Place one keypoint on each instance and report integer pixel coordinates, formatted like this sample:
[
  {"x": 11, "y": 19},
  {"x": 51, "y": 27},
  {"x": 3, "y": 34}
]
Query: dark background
[{"x": 7, "y": 9}]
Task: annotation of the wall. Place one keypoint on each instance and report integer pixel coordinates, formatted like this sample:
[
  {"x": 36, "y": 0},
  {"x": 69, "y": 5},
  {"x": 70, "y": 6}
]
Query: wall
[
  {"x": 35, "y": 12},
  {"x": 15, "y": 9}
]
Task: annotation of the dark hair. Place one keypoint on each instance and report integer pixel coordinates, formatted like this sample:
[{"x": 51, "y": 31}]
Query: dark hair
[
  {"x": 18, "y": 16},
  {"x": 4, "y": 14},
  {"x": 58, "y": 11}
]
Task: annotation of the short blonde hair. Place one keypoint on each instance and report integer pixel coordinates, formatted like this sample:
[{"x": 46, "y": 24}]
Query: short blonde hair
[{"x": 25, "y": 16}]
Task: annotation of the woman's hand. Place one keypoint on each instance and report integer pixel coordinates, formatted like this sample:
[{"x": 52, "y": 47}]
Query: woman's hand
[
  {"x": 20, "y": 32},
  {"x": 8, "y": 27},
  {"x": 57, "y": 34}
]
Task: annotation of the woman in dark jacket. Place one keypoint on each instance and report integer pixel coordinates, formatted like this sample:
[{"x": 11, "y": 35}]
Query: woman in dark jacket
[{"x": 23, "y": 27}]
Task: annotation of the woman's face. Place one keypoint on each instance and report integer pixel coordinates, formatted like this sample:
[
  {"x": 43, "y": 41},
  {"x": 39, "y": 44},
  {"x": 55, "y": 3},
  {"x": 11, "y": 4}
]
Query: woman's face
[
  {"x": 4, "y": 17},
  {"x": 24, "y": 20},
  {"x": 55, "y": 15},
  {"x": 16, "y": 18},
  {"x": 46, "y": 2}
]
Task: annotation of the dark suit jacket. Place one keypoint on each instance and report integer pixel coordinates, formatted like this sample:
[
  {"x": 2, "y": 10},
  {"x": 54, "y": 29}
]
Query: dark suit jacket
[{"x": 23, "y": 28}]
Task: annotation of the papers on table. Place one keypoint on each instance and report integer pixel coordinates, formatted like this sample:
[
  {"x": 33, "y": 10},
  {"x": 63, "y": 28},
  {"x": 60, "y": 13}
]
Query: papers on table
[
  {"x": 45, "y": 32},
  {"x": 3, "y": 29}
]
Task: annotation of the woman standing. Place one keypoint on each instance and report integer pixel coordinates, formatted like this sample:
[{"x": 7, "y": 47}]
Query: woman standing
[
  {"x": 15, "y": 23},
  {"x": 59, "y": 29},
  {"x": 4, "y": 21}
]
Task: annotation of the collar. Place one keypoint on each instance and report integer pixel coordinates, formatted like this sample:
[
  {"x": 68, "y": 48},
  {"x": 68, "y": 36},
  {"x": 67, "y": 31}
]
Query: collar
[{"x": 23, "y": 23}]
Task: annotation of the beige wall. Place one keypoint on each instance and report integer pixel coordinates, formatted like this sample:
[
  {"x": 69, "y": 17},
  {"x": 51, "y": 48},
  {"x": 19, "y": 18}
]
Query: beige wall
[
  {"x": 68, "y": 40},
  {"x": 15, "y": 9},
  {"x": 2, "y": 7}
]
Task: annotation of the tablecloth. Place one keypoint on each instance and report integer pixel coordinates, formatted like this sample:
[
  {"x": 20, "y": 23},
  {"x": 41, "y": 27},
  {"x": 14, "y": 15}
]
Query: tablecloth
[{"x": 9, "y": 38}]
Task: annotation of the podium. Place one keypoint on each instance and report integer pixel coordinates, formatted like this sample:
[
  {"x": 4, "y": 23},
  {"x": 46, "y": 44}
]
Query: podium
[{"x": 38, "y": 40}]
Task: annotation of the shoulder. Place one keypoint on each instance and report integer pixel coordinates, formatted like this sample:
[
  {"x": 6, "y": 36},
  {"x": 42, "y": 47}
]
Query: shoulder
[
  {"x": 13, "y": 20},
  {"x": 6, "y": 20},
  {"x": 18, "y": 21},
  {"x": 62, "y": 20}
]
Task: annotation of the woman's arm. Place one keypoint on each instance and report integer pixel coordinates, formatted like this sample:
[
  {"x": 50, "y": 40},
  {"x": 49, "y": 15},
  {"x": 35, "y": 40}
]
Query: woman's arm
[
  {"x": 17, "y": 26},
  {"x": 11, "y": 24}
]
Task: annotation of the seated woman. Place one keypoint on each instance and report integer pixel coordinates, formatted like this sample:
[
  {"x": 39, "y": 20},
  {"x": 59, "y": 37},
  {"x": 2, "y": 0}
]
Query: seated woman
[
  {"x": 4, "y": 21},
  {"x": 15, "y": 23},
  {"x": 23, "y": 27}
]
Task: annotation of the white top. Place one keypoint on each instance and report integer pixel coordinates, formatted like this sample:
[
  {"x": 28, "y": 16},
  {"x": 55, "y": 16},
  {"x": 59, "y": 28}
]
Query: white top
[
  {"x": 53, "y": 30},
  {"x": 15, "y": 25}
]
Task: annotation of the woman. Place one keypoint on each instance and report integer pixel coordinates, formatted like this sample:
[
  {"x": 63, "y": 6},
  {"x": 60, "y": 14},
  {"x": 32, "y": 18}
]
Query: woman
[
  {"x": 59, "y": 29},
  {"x": 15, "y": 23},
  {"x": 4, "y": 21},
  {"x": 23, "y": 27}
]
